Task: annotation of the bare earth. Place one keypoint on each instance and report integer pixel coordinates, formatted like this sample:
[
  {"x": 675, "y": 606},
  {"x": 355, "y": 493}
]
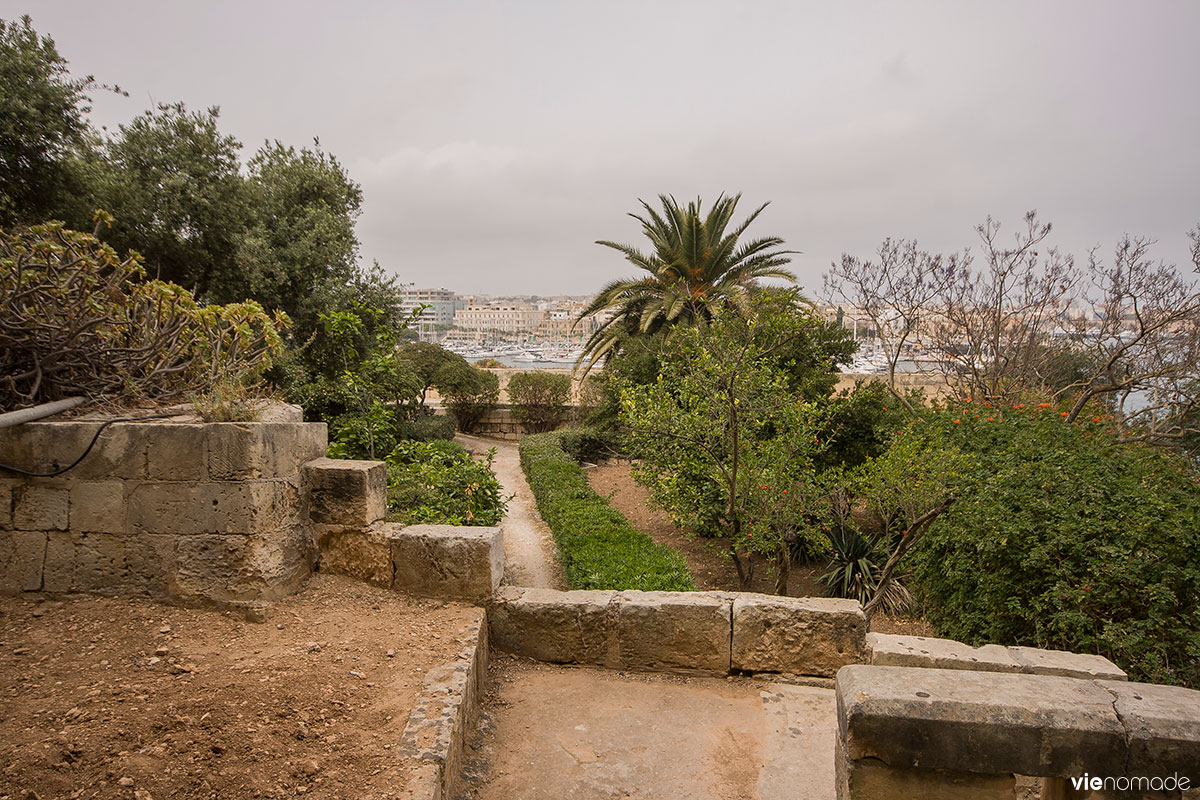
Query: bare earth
[
  {"x": 708, "y": 559},
  {"x": 560, "y": 732},
  {"x": 129, "y": 698},
  {"x": 530, "y": 558}
]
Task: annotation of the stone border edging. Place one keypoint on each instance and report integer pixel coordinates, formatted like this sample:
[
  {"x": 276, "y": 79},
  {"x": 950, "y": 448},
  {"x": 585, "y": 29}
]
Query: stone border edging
[
  {"x": 712, "y": 633},
  {"x": 437, "y": 728},
  {"x": 888, "y": 650}
]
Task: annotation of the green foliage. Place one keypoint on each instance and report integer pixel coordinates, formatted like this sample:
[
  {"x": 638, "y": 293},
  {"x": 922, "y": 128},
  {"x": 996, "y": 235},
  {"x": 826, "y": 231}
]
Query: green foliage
[
  {"x": 588, "y": 443},
  {"x": 697, "y": 265},
  {"x": 299, "y": 235},
  {"x": 439, "y": 483},
  {"x": 855, "y": 570},
  {"x": 598, "y": 547},
  {"x": 539, "y": 399},
  {"x": 1065, "y": 538},
  {"x": 75, "y": 319},
  {"x": 171, "y": 180},
  {"x": 426, "y": 428},
  {"x": 468, "y": 393},
  {"x": 728, "y": 444},
  {"x": 424, "y": 361},
  {"x": 42, "y": 124}
]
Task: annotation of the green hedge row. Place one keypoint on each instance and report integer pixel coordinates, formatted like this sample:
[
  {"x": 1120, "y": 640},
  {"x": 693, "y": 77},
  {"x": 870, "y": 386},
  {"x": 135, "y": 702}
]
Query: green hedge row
[{"x": 598, "y": 547}]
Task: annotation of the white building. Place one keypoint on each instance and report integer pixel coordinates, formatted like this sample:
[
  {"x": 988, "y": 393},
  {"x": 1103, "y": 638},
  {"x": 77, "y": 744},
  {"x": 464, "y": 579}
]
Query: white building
[{"x": 439, "y": 314}]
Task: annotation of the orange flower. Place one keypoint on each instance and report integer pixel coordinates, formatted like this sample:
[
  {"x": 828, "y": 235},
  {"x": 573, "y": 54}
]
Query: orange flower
[
  {"x": 991, "y": 419},
  {"x": 1064, "y": 413},
  {"x": 1018, "y": 406},
  {"x": 987, "y": 405},
  {"x": 1043, "y": 405},
  {"x": 956, "y": 421}
]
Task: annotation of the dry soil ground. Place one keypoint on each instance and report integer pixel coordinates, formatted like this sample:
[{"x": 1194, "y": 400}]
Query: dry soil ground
[{"x": 128, "y": 698}]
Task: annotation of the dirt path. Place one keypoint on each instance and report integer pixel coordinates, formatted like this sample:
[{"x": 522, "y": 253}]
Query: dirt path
[
  {"x": 530, "y": 558},
  {"x": 560, "y": 732}
]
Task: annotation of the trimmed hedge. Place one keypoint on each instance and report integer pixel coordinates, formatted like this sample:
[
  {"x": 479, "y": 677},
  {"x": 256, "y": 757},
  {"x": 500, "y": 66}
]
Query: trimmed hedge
[{"x": 598, "y": 547}]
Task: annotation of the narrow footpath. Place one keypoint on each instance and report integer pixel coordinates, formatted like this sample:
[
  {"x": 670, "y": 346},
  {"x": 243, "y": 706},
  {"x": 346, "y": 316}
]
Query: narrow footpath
[{"x": 530, "y": 558}]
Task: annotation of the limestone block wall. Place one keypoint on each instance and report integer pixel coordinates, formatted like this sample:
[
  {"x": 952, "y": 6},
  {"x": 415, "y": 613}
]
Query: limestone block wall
[
  {"x": 211, "y": 512},
  {"x": 689, "y": 632},
  {"x": 947, "y": 733},
  {"x": 348, "y": 507}
]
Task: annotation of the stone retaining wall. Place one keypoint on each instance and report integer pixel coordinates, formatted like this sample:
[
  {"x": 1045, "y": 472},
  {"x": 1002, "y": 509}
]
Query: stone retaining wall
[
  {"x": 215, "y": 513},
  {"x": 445, "y": 713},
  {"x": 689, "y": 632},
  {"x": 348, "y": 509},
  {"x": 949, "y": 733}
]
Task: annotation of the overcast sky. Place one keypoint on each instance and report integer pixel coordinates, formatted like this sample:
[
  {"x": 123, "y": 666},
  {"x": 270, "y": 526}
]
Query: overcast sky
[{"x": 496, "y": 141}]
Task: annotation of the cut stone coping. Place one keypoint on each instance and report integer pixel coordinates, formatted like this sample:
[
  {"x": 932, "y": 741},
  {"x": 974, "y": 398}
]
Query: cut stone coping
[
  {"x": 1005, "y": 724},
  {"x": 890, "y": 650},
  {"x": 445, "y": 561},
  {"x": 685, "y": 632},
  {"x": 444, "y": 713}
]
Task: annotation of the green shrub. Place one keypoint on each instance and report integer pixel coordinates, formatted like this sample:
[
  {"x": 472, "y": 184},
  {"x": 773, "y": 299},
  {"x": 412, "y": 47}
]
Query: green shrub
[
  {"x": 1065, "y": 538},
  {"x": 598, "y": 547},
  {"x": 439, "y": 483},
  {"x": 468, "y": 393},
  {"x": 539, "y": 399},
  {"x": 589, "y": 444},
  {"x": 425, "y": 428}
]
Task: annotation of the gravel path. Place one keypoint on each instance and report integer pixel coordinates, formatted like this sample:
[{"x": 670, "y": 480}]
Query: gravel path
[{"x": 530, "y": 558}]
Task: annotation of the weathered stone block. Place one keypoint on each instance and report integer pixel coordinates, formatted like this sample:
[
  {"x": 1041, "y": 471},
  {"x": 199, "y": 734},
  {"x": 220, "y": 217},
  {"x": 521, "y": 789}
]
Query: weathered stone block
[
  {"x": 98, "y": 506},
  {"x": 674, "y": 631},
  {"x": 176, "y": 452},
  {"x": 119, "y": 562},
  {"x": 923, "y": 651},
  {"x": 6, "y": 504},
  {"x": 58, "y": 572},
  {"x": 806, "y": 635},
  {"x": 263, "y": 450},
  {"x": 362, "y": 554},
  {"x": 887, "y": 650},
  {"x": 45, "y": 446},
  {"x": 1035, "y": 661},
  {"x": 992, "y": 723},
  {"x": 253, "y": 507},
  {"x": 22, "y": 554},
  {"x": 345, "y": 492},
  {"x": 119, "y": 453},
  {"x": 869, "y": 779},
  {"x": 168, "y": 507},
  {"x": 37, "y": 507},
  {"x": 463, "y": 563},
  {"x": 552, "y": 626},
  {"x": 1164, "y": 728}
]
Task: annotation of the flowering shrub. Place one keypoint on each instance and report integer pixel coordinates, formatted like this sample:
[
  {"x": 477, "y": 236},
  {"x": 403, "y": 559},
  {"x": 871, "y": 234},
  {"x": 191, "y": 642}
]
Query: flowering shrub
[
  {"x": 1062, "y": 537},
  {"x": 439, "y": 483}
]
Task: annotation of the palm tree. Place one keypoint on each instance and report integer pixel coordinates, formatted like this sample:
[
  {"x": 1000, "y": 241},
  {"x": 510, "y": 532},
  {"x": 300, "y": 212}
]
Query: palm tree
[{"x": 696, "y": 264}]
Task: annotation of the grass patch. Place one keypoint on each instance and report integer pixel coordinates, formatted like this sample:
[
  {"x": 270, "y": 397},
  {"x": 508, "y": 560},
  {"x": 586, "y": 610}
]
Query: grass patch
[{"x": 598, "y": 547}]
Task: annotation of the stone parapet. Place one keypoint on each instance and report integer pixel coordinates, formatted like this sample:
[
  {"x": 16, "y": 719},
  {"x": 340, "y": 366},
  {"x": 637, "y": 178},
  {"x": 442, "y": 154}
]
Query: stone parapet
[
  {"x": 966, "y": 734},
  {"x": 202, "y": 512},
  {"x": 343, "y": 492},
  {"x": 887, "y": 650},
  {"x": 445, "y": 561},
  {"x": 687, "y": 632}
]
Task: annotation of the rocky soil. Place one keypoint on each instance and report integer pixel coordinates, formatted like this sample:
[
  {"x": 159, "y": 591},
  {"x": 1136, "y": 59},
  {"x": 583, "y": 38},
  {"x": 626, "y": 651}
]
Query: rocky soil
[{"x": 129, "y": 698}]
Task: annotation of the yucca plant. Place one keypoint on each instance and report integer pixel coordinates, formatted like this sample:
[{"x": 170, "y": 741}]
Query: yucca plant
[{"x": 854, "y": 572}]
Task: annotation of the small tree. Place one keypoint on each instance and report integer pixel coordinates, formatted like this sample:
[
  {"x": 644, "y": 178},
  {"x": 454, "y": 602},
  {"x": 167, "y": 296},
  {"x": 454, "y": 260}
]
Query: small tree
[
  {"x": 728, "y": 445},
  {"x": 468, "y": 392},
  {"x": 539, "y": 399}
]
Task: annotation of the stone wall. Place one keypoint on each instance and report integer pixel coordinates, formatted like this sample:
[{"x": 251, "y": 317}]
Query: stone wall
[
  {"x": 348, "y": 509},
  {"x": 212, "y": 512},
  {"x": 888, "y": 650},
  {"x": 689, "y": 632},
  {"x": 950, "y": 733}
]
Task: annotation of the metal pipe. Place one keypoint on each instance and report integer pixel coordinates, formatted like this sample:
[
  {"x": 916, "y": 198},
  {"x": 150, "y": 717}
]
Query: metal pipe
[{"x": 39, "y": 412}]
